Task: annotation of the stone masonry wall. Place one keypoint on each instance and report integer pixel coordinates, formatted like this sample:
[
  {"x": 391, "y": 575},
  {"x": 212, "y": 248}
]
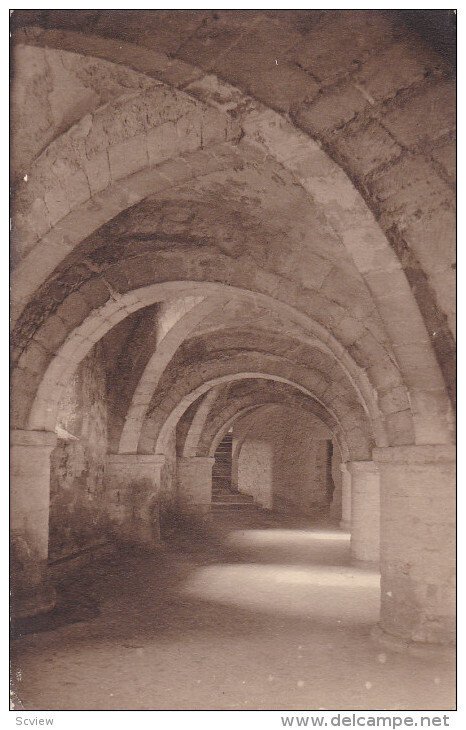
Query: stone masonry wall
[
  {"x": 77, "y": 514},
  {"x": 300, "y": 468},
  {"x": 283, "y": 463}
]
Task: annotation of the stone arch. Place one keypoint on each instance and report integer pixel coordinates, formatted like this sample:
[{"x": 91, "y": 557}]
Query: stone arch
[
  {"x": 157, "y": 433},
  {"x": 226, "y": 401},
  {"x": 154, "y": 369},
  {"x": 429, "y": 82},
  {"x": 306, "y": 349},
  {"x": 229, "y": 423},
  {"x": 196, "y": 428},
  {"x": 257, "y": 415},
  {"x": 126, "y": 164},
  {"x": 210, "y": 440},
  {"x": 405, "y": 194},
  {"x": 41, "y": 412}
]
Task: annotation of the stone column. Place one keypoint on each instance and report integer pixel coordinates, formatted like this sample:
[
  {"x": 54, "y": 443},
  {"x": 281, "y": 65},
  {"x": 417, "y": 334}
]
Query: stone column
[
  {"x": 365, "y": 511},
  {"x": 234, "y": 464},
  {"x": 195, "y": 485},
  {"x": 132, "y": 489},
  {"x": 345, "y": 523},
  {"x": 32, "y": 592},
  {"x": 336, "y": 510},
  {"x": 417, "y": 544}
]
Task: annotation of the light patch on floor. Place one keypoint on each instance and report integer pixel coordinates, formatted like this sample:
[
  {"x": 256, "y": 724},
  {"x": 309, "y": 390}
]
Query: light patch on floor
[
  {"x": 247, "y": 538},
  {"x": 324, "y": 593},
  {"x": 282, "y": 622}
]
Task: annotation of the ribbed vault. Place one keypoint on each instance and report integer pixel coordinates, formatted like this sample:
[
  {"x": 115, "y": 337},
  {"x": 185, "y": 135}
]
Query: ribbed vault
[{"x": 221, "y": 219}]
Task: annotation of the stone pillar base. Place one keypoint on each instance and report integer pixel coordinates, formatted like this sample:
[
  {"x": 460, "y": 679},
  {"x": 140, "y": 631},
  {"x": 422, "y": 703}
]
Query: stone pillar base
[
  {"x": 29, "y": 509},
  {"x": 418, "y": 543},
  {"x": 195, "y": 486},
  {"x": 39, "y": 599},
  {"x": 365, "y": 564},
  {"x": 335, "y": 507},
  {"x": 132, "y": 487},
  {"x": 414, "y": 648},
  {"x": 365, "y": 512},
  {"x": 345, "y": 522}
]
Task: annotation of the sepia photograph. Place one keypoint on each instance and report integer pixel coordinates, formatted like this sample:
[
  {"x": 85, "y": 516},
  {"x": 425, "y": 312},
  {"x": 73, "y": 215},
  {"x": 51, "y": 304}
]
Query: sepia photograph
[{"x": 233, "y": 368}]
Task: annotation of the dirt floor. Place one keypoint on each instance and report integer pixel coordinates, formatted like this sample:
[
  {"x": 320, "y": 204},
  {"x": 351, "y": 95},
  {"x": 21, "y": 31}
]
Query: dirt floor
[{"x": 265, "y": 613}]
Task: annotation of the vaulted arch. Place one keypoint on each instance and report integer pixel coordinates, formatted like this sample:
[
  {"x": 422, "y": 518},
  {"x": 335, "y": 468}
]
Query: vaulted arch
[{"x": 255, "y": 219}]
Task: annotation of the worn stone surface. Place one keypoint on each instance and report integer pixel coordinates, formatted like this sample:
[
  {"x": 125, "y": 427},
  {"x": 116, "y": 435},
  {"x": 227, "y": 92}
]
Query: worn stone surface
[
  {"x": 77, "y": 500},
  {"x": 283, "y": 461},
  {"x": 365, "y": 511},
  {"x": 234, "y": 219}
]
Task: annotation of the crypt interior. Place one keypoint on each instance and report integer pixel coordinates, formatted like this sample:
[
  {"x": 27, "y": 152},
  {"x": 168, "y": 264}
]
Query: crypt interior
[{"x": 233, "y": 368}]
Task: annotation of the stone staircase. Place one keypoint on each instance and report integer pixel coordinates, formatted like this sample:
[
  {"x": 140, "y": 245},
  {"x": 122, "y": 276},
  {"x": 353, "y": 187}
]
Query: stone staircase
[{"x": 224, "y": 497}]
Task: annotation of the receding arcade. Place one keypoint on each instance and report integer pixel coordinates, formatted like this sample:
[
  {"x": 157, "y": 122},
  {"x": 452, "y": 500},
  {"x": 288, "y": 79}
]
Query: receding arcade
[{"x": 201, "y": 250}]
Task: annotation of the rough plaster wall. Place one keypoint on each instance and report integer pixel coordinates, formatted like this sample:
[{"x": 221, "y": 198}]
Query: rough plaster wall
[
  {"x": 282, "y": 464},
  {"x": 168, "y": 484},
  {"x": 255, "y": 471},
  {"x": 300, "y": 466},
  {"x": 77, "y": 516}
]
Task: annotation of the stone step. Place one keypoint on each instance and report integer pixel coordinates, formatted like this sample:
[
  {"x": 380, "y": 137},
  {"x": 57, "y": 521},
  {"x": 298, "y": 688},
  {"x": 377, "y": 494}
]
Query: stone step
[
  {"x": 233, "y": 506},
  {"x": 225, "y": 497}
]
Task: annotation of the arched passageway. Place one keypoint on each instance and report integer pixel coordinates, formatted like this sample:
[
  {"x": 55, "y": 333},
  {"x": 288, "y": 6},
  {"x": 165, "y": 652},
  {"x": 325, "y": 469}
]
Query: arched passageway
[{"x": 213, "y": 251}]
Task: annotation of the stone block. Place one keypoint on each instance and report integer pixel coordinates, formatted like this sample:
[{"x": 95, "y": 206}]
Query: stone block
[
  {"x": 74, "y": 309},
  {"x": 417, "y": 488},
  {"x": 175, "y": 171},
  {"x": 38, "y": 217},
  {"x": 97, "y": 170},
  {"x": 178, "y": 73},
  {"x": 365, "y": 511},
  {"x": 401, "y": 65},
  {"x": 419, "y": 365},
  {"x": 339, "y": 44},
  {"x": 331, "y": 109},
  {"x": 432, "y": 236},
  {"x": 350, "y": 292},
  {"x": 400, "y": 428},
  {"x": 283, "y": 87},
  {"x": 162, "y": 143},
  {"x": 445, "y": 155},
  {"x": 394, "y": 400},
  {"x": 34, "y": 358},
  {"x": 95, "y": 292},
  {"x": 384, "y": 375},
  {"x": 52, "y": 333},
  {"x": 408, "y": 188},
  {"x": 128, "y": 157},
  {"x": 57, "y": 202},
  {"x": 77, "y": 188},
  {"x": 367, "y": 147},
  {"x": 212, "y": 38},
  {"x": 424, "y": 116}
]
